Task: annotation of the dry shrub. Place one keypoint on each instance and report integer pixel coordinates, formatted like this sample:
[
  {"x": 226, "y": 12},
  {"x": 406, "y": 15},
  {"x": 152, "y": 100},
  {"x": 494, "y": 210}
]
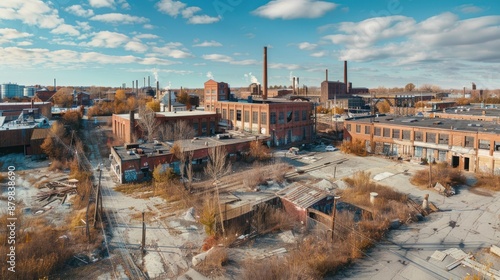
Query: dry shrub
[
  {"x": 39, "y": 253},
  {"x": 441, "y": 172},
  {"x": 255, "y": 176},
  {"x": 356, "y": 147},
  {"x": 208, "y": 214},
  {"x": 213, "y": 264},
  {"x": 209, "y": 242},
  {"x": 57, "y": 165},
  {"x": 487, "y": 181},
  {"x": 278, "y": 172},
  {"x": 269, "y": 219},
  {"x": 259, "y": 151}
]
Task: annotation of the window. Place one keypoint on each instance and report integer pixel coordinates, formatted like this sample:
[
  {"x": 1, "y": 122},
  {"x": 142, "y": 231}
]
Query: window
[
  {"x": 304, "y": 115},
  {"x": 387, "y": 132},
  {"x": 224, "y": 113},
  {"x": 281, "y": 118},
  {"x": 289, "y": 116},
  {"x": 497, "y": 146},
  {"x": 419, "y": 136},
  {"x": 255, "y": 117},
  {"x": 296, "y": 116},
  {"x": 238, "y": 115},
  {"x": 358, "y": 128},
  {"x": 231, "y": 114},
  {"x": 469, "y": 141},
  {"x": 406, "y": 134},
  {"x": 484, "y": 144},
  {"x": 246, "y": 116},
  {"x": 348, "y": 127},
  {"x": 396, "y": 133},
  {"x": 377, "y": 131},
  {"x": 431, "y": 137},
  {"x": 263, "y": 118},
  {"x": 273, "y": 117},
  {"x": 368, "y": 129},
  {"x": 443, "y": 139}
]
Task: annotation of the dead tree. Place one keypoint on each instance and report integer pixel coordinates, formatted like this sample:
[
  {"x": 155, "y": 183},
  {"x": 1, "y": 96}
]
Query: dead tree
[
  {"x": 218, "y": 167},
  {"x": 178, "y": 131},
  {"x": 148, "y": 123}
]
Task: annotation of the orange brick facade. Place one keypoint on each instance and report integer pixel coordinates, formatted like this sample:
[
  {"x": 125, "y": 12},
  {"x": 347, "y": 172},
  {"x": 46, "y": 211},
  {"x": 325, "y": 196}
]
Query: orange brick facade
[{"x": 467, "y": 150}]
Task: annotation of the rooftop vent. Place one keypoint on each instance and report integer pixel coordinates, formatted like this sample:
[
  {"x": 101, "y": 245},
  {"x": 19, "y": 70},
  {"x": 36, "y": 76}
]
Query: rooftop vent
[
  {"x": 409, "y": 120},
  {"x": 437, "y": 123},
  {"x": 475, "y": 125}
]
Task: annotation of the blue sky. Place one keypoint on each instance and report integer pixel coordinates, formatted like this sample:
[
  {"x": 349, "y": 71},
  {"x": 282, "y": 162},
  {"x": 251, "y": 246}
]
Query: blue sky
[{"x": 387, "y": 43}]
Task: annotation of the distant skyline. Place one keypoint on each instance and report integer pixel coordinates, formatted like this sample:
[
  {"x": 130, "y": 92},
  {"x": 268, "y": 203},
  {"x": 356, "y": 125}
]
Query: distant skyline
[{"x": 449, "y": 43}]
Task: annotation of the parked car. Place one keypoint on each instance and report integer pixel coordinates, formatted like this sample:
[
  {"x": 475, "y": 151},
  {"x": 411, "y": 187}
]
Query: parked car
[{"x": 331, "y": 148}]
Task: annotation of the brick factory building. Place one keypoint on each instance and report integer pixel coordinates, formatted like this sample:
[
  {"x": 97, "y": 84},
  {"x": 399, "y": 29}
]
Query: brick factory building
[
  {"x": 466, "y": 144},
  {"x": 204, "y": 123}
]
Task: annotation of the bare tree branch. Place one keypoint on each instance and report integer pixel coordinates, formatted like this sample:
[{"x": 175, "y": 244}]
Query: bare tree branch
[{"x": 148, "y": 122}]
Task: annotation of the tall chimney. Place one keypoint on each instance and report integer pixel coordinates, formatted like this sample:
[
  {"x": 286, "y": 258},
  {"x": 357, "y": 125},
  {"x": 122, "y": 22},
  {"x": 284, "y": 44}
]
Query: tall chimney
[
  {"x": 137, "y": 86},
  {"x": 149, "y": 82},
  {"x": 326, "y": 77},
  {"x": 293, "y": 85},
  {"x": 345, "y": 77},
  {"x": 169, "y": 102},
  {"x": 157, "y": 90},
  {"x": 144, "y": 81},
  {"x": 132, "y": 125},
  {"x": 55, "y": 89},
  {"x": 298, "y": 89},
  {"x": 264, "y": 93}
]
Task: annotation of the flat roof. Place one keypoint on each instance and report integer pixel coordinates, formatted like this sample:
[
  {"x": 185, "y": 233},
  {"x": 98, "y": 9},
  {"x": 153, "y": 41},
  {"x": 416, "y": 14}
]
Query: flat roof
[
  {"x": 434, "y": 123},
  {"x": 197, "y": 143},
  {"x": 28, "y": 104},
  {"x": 171, "y": 114},
  {"x": 472, "y": 111}
]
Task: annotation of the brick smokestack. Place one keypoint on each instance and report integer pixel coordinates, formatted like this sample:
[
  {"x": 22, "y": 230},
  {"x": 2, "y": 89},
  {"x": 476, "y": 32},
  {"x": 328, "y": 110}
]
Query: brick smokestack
[
  {"x": 326, "y": 75},
  {"x": 264, "y": 92},
  {"x": 345, "y": 77},
  {"x": 293, "y": 85},
  {"x": 55, "y": 89},
  {"x": 132, "y": 125},
  {"x": 157, "y": 90},
  {"x": 149, "y": 82}
]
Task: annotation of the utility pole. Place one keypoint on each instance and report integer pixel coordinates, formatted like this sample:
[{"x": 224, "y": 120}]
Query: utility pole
[
  {"x": 334, "y": 210},
  {"x": 143, "y": 243},
  {"x": 98, "y": 199}
]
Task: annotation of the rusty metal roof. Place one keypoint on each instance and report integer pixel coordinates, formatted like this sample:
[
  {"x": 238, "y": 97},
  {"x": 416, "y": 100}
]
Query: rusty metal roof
[{"x": 302, "y": 195}]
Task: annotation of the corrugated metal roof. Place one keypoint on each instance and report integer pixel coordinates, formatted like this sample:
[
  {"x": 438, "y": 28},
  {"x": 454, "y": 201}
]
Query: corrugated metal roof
[{"x": 302, "y": 196}]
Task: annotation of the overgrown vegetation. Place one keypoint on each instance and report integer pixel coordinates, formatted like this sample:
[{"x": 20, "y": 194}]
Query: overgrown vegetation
[
  {"x": 356, "y": 147},
  {"x": 259, "y": 151},
  {"x": 316, "y": 256},
  {"x": 441, "y": 172},
  {"x": 487, "y": 181}
]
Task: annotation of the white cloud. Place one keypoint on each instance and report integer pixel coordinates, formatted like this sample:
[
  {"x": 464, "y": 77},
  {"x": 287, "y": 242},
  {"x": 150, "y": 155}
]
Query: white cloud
[
  {"x": 22, "y": 57},
  {"x": 83, "y": 25},
  {"x": 107, "y": 39},
  {"x": 175, "y": 8},
  {"x": 284, "y": 66},
  {"x": 25, "y": 43},
  {"x": 202, "y": 19},
  {"x": 172, "y": 50},
  {"x": 228, "y": 59},
  {"x": 136, "y": 46},
  {"x": 208, "y": 44},
  {"x": 190, "y": 11},
  {"x": 78, "y": 10},
  {"x": 31, "y": 12},
  {"x": 307, "y": 46},
  {"x": 147, "y": 36},
  {"x": 65, "y": 29},
  {"x": 469, "y": 9},
  {"x": 170, "y": 7},
  {"x": 319, "y": 54},
  {"x": 293, "y": 9},
  {"x": 9, "y": 34},
  {"x": 402, "y": 40},
  {"x": 102, "y": 3},
  {"x": 119, "y": 18},
  {"x": 148, "y": 26}
]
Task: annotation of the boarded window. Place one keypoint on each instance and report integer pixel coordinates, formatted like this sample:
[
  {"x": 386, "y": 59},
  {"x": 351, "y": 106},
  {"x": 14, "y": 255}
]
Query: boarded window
[
  {"x": 443, "y": 139},
  {"x": 246, "y": 116},
  {"x": 431, "y": 137},
  {"x": 484, "y": 144},
  {"x": 263, "y": 118},
  {"x": 255, "y": 117},
  {"x": 396, "y": 133},
  {"x": 387, "y": 132},
  {"x": 469, "y": 141},
  {"x": 419, "y": 136},
  {"x": 377, "y": 131},
  {"x": 368, "y": 129},
  {"x": 406, "y": 134}
]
